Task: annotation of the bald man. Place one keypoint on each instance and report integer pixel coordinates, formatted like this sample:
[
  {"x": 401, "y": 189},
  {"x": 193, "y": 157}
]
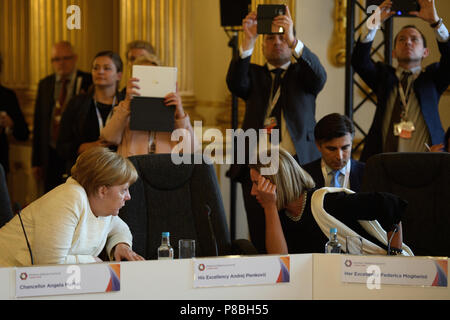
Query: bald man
[{"x": 54, "y": 92}]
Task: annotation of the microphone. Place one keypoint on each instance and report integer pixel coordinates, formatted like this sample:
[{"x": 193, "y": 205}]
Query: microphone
[
  {"x": 17, "y": 210},
  {"x": 211, "y": 229}
]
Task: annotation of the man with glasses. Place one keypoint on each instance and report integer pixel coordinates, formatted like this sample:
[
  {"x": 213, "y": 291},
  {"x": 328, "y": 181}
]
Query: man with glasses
[{"x": 53, "y": 94}]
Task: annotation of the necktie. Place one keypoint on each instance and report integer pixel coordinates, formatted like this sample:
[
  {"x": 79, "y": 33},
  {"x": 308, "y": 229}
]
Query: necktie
[
  {"x": 276, "y": 112},
  {"x": 59, "y": 108},
  {"x": 391, "y": 144},
  {"x": 335, "y": 179}
]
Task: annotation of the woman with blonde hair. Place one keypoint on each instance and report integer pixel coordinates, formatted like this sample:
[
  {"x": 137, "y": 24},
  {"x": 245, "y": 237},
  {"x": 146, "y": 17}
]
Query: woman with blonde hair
[
  {"x": 73, "y": 222},
  {"x": 133, "y": 142},
  {"x": 298, "y": 217}
]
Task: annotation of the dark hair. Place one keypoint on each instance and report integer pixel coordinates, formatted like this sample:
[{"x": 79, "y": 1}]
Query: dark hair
[
  {"x": 114, "y": 57},
  {"x": 1, "y": 63},
  {"x": 447, "y": 136},
  {"x": 412, "y": 27},
  {"x": 333, "y": 126}
]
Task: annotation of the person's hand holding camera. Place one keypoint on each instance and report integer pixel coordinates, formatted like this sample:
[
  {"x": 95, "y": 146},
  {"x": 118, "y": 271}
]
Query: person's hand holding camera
[
  {"x": 427, "y": 11},
  {"x": 285, "y": 22},
  {"x": 249, "y": 25}
]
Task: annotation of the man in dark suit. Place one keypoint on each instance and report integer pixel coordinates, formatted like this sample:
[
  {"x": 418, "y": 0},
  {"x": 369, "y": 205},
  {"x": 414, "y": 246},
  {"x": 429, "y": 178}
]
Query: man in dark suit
[
  {"x": 407, "y": 116},
  {"x": 53, "y": 94},
  {"x": 334, "y": 138},
  {"x": 280, "y": 95}
]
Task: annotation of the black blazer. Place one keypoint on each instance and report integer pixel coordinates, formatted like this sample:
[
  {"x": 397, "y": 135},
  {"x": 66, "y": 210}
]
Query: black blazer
[
  {"x": 10, "y": 104},
  {"x": 356, "y": 173},
  {"x": 45, "y": 101},
  {"x": 79, "y": 124},
  {"x": 381, "y": 78},
  {"x": 301, "y": 84}
]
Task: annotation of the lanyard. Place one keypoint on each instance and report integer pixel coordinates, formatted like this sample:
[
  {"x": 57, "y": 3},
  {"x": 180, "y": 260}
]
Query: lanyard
[
  {"x": 403, "y": 96},
  {"x": 99, "y": 116}
]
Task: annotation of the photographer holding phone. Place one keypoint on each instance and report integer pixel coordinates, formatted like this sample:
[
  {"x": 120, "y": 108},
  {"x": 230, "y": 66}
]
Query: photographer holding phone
[
  {"x": 407, "y": 116},
  {"x": 279, "y": 95}
]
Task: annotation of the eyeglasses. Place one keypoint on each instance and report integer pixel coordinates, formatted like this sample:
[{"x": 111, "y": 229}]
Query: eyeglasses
[{"x": 59, "y": 59}]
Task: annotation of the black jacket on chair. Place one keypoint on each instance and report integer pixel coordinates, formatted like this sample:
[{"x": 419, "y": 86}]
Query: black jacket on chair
[{"x": 174, "y": 198}]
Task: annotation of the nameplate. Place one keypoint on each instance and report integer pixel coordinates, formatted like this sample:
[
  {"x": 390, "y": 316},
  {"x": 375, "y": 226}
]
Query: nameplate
[
  {"x": 237, "y": 271},
  {"x": 67, "y": 279},
  {"x": 388, "y": 270}
]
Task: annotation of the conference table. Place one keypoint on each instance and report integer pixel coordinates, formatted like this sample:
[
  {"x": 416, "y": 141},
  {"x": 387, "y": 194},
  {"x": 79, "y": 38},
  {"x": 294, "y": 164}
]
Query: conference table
[{"x": 306, "y": 277}]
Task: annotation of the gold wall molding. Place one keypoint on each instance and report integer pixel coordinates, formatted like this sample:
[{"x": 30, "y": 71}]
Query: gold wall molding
[
  {"x": 337, "y": 51},
  {"x": 14, "y": 42},
  {"x": 167, "y": 25}
]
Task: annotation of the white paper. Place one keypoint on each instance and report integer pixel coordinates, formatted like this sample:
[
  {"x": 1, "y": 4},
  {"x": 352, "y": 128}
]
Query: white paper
[
  {"x": 155, "y": 82},
  {"x": 67, "y": 279},
  {"x": 235, "y": 271},
  {"x": 391, "y": 270}
]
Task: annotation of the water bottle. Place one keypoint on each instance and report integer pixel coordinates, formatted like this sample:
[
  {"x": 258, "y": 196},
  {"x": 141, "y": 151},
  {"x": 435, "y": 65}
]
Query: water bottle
[
  {"x": 333, "y": 245},
  {"x": 165, "y": 250}
]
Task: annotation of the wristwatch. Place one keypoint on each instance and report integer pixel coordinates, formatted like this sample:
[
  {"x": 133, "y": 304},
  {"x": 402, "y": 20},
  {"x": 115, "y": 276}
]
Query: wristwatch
[
  {"x": 395, "y": 252},
  {"x": 437, "y": 24}
]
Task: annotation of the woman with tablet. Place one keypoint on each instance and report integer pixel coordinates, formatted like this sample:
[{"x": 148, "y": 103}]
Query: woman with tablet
[{"x": 139, "y": 142}]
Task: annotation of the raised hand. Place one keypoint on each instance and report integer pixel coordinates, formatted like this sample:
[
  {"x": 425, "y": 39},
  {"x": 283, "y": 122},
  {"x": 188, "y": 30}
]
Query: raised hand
[
  {"x": 427, "y": 11},
  {"x": 285, "y": 21},
  {"x": 266, "y": 193},
  {"x": 381, "y": 15},
  {"x": 249, "y": 24}
]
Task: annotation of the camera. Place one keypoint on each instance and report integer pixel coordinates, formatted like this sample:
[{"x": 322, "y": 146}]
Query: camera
[
  {"x": 265, "y": 15},
  {"x": 402, "y": 8}
]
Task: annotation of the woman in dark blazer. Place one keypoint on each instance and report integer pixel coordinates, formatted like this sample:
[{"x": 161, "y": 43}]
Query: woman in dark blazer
[{"x": 87, "y": 114}]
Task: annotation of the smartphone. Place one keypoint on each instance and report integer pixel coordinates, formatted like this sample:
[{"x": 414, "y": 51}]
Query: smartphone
[
  {"x": 400, "y": 7},
  {"x": 265, "y": 15},
  {"x": 403, "y": 7}
]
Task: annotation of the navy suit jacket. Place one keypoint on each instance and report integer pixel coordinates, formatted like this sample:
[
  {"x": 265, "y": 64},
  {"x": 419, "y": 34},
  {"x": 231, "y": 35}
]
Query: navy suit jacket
[
  {"x": 301, "y": 84},
  {"x": 356, "y": 173},
  {"x": 45, "y": 101},
  {"x": 381, "y": 78}
]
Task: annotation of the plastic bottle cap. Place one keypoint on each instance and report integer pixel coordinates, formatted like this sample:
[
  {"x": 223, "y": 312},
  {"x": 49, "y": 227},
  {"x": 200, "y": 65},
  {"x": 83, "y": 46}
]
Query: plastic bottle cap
[
  {"x": 166, "y": 234},
  {"x": 333, "y": 230}
]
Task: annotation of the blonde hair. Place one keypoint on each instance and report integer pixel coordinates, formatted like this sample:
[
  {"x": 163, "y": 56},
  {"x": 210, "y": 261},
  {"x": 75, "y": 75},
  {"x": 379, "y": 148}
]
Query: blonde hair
[
  {"x": 290, "y": 179},
  {"x": 147, "y": 59},
  {"x": 100, "y": 166}
]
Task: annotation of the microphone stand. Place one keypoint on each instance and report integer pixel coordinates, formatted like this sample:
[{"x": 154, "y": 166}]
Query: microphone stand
[{"x": 234, "y": 45}]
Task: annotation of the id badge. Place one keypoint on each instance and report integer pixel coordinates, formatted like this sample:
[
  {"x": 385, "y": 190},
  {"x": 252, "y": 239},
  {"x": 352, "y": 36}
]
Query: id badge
[
  {"x": 404, "y": 129},
  {"x": 270, "y": 123}
]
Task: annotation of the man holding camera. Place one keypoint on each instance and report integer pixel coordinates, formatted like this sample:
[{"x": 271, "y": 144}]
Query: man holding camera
[
  {"x": 407, "y": 116},
  {"x": 279, "y": 95}
]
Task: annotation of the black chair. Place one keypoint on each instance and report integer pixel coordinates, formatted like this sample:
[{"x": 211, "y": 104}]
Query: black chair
[
  {"x": 6, "y": 213},
  {"x": 184, "y": 200},
  {"x": 422, "y": 179}
]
